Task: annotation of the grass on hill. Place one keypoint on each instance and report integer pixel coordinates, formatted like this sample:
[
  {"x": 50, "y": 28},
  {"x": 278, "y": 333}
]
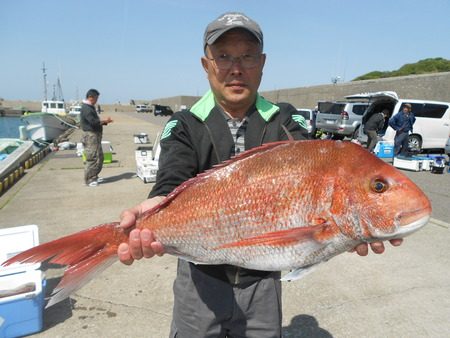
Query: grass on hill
[{"x": 426, "y": 66}]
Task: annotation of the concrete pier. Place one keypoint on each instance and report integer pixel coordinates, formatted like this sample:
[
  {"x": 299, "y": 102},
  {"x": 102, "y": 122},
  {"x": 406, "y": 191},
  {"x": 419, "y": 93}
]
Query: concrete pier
[{"x": 402, "y": 293}]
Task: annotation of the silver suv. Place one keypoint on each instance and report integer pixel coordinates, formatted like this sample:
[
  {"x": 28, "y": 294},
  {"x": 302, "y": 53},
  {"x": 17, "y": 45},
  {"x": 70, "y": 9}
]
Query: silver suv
[{"x": 340, "y": 118}]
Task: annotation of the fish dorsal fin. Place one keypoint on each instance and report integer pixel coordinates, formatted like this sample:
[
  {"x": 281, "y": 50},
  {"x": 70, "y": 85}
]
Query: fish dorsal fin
[{"x": 200, "y": 177}]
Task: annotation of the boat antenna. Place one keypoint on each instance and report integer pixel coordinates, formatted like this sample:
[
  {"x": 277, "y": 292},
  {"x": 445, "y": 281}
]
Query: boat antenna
[
  {"x": 54, "y": 93},
  {"x": 45, "y": 80}
]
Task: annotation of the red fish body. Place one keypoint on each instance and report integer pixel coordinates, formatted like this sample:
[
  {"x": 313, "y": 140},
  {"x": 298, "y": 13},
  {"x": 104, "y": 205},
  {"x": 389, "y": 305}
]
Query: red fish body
[{"x": 285, "y": 205}]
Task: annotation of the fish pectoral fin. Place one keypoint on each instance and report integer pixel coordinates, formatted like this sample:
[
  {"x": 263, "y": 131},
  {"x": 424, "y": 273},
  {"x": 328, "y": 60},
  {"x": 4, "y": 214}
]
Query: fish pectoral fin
[
  {"x": 298, "y": 273},
  {"x": 277, "y": 238}
]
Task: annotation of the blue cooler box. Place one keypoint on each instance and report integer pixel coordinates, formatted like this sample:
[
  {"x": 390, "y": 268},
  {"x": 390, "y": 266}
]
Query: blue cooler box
[
  {"x": 384, "y": 150},
  {"x": 22, "y": 286}
]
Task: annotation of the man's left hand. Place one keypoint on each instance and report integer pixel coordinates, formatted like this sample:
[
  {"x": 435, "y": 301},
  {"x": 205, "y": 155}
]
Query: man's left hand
[{"x": 377, "y": 247}]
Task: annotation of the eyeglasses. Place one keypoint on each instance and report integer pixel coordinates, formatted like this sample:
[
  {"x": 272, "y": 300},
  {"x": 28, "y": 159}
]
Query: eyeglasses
[{"x": 225, "y": 61}]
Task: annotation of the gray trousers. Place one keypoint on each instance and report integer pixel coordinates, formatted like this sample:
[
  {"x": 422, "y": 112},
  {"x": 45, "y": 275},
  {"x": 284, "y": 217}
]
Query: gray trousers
[
  {"x": 92, "y": 143},
  {"x": 372, "y": 139},
  {"x": 208, "y": 307}
]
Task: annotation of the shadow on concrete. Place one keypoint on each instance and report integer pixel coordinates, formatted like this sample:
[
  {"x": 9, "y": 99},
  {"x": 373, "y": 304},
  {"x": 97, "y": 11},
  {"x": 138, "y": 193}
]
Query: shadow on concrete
[
  {"x": 304, "y": 326},
  {"x": 124, "y": 176},
  {"x": 59, "y": 312}
]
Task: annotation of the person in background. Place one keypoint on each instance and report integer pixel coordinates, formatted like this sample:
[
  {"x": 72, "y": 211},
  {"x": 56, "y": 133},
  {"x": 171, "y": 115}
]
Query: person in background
[
  {"x": 219, "y": 300},
  {"x": 92, "y": 127},
  {"x": 373, "y": 126},
  {"x": 313, "y": 122},
  {"x": 402, "y": 123}
]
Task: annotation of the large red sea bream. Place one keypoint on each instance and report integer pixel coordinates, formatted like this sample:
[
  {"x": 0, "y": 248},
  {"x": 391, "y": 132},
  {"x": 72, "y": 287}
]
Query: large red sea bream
[{"x": 282, "y": 206}]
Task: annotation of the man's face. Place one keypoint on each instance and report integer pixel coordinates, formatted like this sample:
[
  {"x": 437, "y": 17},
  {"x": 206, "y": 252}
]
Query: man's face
[
  {"x": 406, "y": 110},
  {"x": 93, "y": 99},
  {"x": 236, "y": 87}
]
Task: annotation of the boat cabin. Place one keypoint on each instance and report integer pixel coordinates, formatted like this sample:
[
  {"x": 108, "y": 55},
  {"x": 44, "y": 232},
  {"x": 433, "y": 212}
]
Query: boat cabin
[{"x": 54, "y": 107}]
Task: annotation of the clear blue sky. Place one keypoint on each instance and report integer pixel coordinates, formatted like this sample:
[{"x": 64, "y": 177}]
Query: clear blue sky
[{"x": 151, "y": 49}]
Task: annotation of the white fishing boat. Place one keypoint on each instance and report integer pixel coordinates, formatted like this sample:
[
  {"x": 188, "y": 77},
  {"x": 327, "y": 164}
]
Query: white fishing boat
[
  {"x": 45, "y": 127},
  {"x": 13, "y": 152},
  {"x": 74, "y": 111},
  {"x": 51, "y": 121}
]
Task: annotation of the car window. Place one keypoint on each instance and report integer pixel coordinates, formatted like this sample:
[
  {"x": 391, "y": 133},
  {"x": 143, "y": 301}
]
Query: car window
[
  {"x": 435, "y": 111},
  {"x": 359, "y": 109},
  {"x": 331, "y": 108},
  {"x": 415, "y": 107},
  {"x": 305, "y": 114}
]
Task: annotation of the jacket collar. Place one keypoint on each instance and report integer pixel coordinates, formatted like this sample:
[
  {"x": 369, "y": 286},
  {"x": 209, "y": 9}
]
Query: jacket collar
[{"x": 202, "y": 108}]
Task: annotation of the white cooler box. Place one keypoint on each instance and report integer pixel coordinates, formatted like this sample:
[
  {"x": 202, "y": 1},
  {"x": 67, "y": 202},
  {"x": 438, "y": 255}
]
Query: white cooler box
[
  {"x": 22, "y": 286},
  {"x": 408, "y": 163},
  {"x": 140, "y": 138},
  {"x": 146, "y": 165}
]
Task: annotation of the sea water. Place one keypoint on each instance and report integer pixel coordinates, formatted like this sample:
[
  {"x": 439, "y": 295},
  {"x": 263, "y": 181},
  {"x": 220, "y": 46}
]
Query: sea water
[{"x": 9, "y": 126}]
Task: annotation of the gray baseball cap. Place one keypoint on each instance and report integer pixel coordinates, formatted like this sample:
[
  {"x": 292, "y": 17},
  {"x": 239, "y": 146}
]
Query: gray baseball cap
[{"x": 228, "y": 21}]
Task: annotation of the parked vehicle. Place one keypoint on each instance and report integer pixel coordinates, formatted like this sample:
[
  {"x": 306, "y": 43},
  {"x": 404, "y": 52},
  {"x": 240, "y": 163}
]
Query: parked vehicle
[
  {"x": 162, "y": 110},
  {"x": 308, "y": 114},
  {"x": 143, "y": 108},
  {"x": 431, "y": 129},
  {"x": 340, "y": 118}
]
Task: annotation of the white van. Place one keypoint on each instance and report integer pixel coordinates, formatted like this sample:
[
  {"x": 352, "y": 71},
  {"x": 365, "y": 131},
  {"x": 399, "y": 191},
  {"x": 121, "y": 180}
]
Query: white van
[
  {"x": 431, "y": 129},
  {"x": 143, "y": 108}
]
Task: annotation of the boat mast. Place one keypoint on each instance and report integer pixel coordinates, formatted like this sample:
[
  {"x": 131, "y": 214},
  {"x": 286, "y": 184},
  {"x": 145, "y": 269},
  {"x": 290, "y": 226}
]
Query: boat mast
[
  {"x": 59, "y": 90},
  {"x": 45, "y": 81}
]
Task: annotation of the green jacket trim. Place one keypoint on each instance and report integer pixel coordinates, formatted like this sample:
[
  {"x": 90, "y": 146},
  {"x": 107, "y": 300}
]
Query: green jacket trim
[{"x": 203, "y": 107}]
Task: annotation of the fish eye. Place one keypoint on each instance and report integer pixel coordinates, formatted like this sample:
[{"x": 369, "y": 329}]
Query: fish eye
[{"x": 379, "y": 185}]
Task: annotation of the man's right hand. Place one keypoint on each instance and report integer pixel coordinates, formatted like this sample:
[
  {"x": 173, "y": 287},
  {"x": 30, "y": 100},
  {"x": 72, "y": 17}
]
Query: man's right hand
[{"x": 141, "y": 243}]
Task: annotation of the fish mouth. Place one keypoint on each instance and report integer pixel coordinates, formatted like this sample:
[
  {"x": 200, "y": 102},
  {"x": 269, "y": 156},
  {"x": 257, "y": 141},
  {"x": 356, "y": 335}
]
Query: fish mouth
[
  {"x": 408, "y": 222},
  {"x": 405, "y": 229}
]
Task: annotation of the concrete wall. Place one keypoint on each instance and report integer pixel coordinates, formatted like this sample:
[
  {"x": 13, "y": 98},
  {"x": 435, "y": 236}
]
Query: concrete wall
[{"x": 428, "y": 86}]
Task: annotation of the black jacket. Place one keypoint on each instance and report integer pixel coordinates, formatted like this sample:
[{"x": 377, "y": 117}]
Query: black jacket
[
  {"x": 193, "y": 141},
  {"x": 190, "y": 145},
  {"x": 375, "y": 122},
  {"x": 89, "y": 119}
]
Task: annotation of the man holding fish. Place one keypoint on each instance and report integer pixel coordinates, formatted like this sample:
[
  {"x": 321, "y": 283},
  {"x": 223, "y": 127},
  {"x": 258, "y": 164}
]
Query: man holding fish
[{"x": 221, "y": 300}]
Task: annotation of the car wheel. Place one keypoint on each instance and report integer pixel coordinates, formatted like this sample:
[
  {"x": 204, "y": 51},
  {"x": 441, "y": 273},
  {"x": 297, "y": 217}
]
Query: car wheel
[
  {"x": 355, "y": 134},
  {"x": 415, "y": 143}
]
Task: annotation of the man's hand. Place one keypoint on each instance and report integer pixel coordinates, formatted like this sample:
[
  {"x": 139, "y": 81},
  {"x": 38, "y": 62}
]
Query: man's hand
[
  {"x": 107, "y": 120},
  {"x": 141, "y": 243},
  {"x": 377, "y": 247}
]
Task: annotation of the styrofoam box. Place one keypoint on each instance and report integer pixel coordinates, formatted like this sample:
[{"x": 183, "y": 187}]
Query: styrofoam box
[
  {"x": 408, "y": 164},
  {"x": 146, "y": 170},
  {"x": 20, "y": 314},
  {"x": 140, "y": 138},
  {"x": 144, "y": 154}
]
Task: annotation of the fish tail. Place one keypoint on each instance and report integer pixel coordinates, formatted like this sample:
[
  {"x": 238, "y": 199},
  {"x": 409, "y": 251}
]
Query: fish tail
[{"x": 85, "y": 253}]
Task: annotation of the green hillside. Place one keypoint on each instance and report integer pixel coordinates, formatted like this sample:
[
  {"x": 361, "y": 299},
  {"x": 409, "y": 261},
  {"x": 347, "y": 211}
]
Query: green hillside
[{"x": 426, "y": 66}]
